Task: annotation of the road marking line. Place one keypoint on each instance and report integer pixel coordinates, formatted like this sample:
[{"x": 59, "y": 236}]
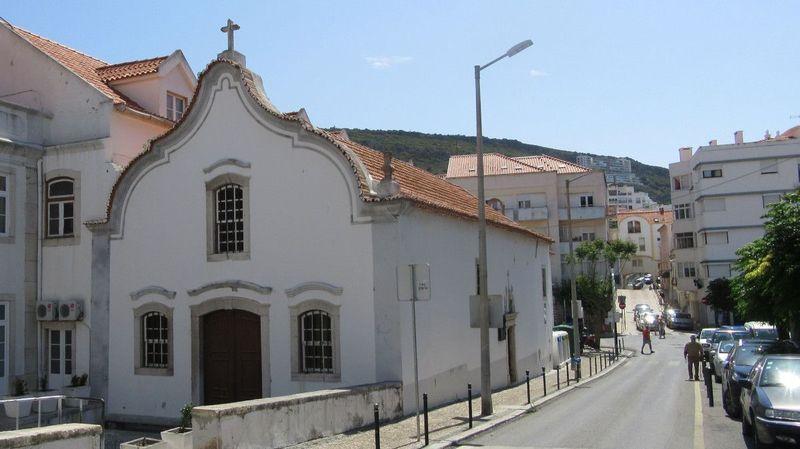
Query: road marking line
[{"x": 698, "y": 418}]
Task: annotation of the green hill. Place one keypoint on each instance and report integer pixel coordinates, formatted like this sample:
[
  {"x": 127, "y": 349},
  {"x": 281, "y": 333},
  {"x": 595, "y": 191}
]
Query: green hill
[{"x": 432, "y": 151}]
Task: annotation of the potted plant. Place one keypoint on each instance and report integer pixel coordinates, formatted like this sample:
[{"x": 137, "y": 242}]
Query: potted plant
[
  {"x": 20, "y": 408},
  {"x": 149, "y": 443},
  {"x": 181, "y": 437},
  {"x": 78, "y": 387},
  {"x": 47, "y": 405}
]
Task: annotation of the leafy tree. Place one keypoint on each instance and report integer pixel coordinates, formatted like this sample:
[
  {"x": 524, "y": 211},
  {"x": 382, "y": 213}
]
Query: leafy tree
[
  {"x": 591, "y": 251},
  {"x": 719, "y": 295},
  {"x": 595, "y": 295},
  {"x": 620, "y": 250},
  {"x": 766, "y": 288}
]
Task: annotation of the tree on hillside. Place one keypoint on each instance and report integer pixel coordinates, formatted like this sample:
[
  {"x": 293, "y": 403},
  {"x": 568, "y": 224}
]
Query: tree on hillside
[{"x": 767, "y": 286}]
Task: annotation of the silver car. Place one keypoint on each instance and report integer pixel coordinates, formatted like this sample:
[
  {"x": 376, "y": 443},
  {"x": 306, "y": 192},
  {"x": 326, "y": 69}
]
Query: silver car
[
  {"x": 680, "y": 320},
  {"x": 724, "y": 349}
]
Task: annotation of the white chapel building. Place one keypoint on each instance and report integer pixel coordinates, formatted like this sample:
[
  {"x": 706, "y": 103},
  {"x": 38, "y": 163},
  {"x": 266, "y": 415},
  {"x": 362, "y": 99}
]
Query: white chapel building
[{"x": 241, "y": 252}]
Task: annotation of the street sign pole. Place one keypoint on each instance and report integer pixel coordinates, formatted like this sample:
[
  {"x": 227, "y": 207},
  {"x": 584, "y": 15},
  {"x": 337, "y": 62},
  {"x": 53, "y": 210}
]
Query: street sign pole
[{"x": 414, "y": 331}]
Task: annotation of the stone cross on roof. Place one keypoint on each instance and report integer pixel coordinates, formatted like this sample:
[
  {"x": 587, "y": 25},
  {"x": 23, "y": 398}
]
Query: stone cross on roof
[{"x": 230, "y": 28}]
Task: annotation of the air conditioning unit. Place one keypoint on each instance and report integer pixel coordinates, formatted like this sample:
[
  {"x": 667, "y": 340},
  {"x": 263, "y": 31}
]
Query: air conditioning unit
[
  {"x": 70, "y": 310},
  {"x": 47, "y": 311}
]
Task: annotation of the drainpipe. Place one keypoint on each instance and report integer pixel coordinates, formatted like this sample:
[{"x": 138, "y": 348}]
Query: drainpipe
[{"x": 39, "y": 212}]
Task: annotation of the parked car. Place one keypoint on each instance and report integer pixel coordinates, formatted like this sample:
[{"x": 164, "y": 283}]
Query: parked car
[
  {"x": 740, "y": 362},
  {"x": 720, "y": 357},
  {"x": 639, "y": 308},
  {"x": 647, "y": 319},
  {"x": 704, "y": 338},
  {"x": 770, "y": 403},
  {"x": 638, "y": 284},
  {"x": 648, "y": 279},
  {"x": 724, "y": 334},
  {"x": 762, "y": 330},
  {"x": 680, "y": 320}
]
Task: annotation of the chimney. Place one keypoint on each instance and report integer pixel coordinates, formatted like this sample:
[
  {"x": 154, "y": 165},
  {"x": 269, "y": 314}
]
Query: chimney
[
  {"x": 738, "y": 137},
  {"x": 685, "y": 153},
  {"x": 388, "y": 186},
  {"x": 712, "y": 142}
]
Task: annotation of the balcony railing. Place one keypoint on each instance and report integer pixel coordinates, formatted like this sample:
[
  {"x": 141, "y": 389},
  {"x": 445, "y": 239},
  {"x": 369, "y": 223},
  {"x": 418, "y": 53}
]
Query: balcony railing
[
  {"x": 583, "y": 213},
  {"x": 533, "y": 213}
]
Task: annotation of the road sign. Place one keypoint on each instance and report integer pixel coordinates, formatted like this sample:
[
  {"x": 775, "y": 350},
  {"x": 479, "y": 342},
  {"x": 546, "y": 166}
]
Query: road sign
[
  {"x": 496, "y": 311},
  {"x": 421, "y": 281},
  {"x": 621, "y": 300}
]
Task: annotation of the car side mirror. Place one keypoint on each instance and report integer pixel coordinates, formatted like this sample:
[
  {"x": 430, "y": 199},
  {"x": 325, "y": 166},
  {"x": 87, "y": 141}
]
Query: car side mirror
[{"x": 747, "y": 384}]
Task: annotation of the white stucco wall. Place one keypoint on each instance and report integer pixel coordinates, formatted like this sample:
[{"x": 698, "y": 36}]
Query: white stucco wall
[
  {"x": 449, "y": 354},
  {"x": 79, "y": 111},
  {"x": 301, "y": 230}
]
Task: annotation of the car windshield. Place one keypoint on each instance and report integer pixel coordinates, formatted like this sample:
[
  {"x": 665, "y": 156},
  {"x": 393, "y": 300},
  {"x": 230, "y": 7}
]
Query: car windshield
[
  {"x": 684, "y": 315},
  {"x": 770, "y": 332},
  {"x": 748, "y": 355},
  {"x": 726, "y": 347},
  {"x": 724, "y": 336},
  {"x": 705, "y": 333},
  {"x": 781, "y": 373}
]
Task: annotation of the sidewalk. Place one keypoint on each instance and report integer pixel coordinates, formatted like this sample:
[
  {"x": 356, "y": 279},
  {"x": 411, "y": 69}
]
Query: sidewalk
[{"x": 452, "y": 419}]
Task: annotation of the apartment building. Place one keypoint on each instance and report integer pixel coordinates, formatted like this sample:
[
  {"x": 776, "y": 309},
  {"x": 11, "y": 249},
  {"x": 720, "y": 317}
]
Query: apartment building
[
  {"x": 531, "y": 190},
  {"x": 649, "y": 230},
  {"x": 625, "y": 197},
  {"x": 719, "y": 195}
]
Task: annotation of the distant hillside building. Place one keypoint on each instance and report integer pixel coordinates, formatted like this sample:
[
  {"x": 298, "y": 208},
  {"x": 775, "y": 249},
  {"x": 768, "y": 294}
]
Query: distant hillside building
[
  {"x": 531, "y": 191},
  {"x": 625, "y": 197},
  {"x": 719, "y": 196},
  {"x": 617, "y": 169}
]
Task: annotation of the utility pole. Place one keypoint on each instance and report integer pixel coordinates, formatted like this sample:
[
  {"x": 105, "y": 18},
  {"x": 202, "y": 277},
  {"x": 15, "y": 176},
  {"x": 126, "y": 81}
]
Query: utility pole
[
  {"x": 483, "y": 291},
  {"x": 576, "y": 332}
]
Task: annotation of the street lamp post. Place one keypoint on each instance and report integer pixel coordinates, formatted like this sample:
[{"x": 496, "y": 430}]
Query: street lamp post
[
  {"x": 576, "y": 332},
  {"x": 486, "y": 380}
]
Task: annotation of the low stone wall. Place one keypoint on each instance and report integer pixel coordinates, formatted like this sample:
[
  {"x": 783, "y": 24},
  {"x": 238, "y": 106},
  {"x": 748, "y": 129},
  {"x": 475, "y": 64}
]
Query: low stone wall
[
  {"x": 286, "y": 420},
  {"x": 63, "y": 436}
]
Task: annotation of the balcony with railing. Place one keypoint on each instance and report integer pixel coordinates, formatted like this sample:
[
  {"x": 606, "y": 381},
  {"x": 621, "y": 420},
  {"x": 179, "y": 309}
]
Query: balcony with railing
[
  {"x": 583, "y": 213},
  {"x": 528, "y": 214}
]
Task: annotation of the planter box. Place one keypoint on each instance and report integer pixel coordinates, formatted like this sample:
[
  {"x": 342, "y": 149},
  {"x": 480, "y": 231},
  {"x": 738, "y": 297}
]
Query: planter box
[
  {"x": 149, "y": 443},
  {"x": 177, "y": 440},
  {"x": 82, "y": 391},
  {"x": 18, "y": 409},
  {"x": 47, "y": 405}
]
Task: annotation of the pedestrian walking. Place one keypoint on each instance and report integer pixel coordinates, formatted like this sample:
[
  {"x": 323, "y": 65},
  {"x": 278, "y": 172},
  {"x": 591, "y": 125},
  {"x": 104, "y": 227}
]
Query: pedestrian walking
[
  {"x": 693, "y": 353},
  {"x": 646, "y": 339},
  {"x": 662, "y": 328}
]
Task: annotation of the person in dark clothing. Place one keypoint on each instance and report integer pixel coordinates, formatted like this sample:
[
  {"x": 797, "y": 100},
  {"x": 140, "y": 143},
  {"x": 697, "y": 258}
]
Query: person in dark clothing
[{"x": 693, "y": 353}]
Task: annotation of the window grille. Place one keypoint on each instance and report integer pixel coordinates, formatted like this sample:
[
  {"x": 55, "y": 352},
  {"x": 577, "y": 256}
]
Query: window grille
[
  {"x": 229, "y": 219},
  {"x": 316, "y": 342},
  {"x": 155, "y": 335}
]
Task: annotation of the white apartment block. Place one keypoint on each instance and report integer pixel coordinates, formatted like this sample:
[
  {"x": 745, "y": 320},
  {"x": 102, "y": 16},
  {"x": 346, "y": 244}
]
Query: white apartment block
[
  {"x": 625, "y": 197},
  {"x": 719, "y": 195},
  {"x": 531, "y": 190},
  {"x": 644, "y": 228}
]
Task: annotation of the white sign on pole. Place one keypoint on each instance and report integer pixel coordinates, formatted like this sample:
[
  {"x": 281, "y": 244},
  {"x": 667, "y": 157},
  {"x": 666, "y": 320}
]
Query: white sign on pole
[
  {"x": 422, "y": 278},
  {"x": 580, "y": 308},
  {"x": 496, "y": 311}
]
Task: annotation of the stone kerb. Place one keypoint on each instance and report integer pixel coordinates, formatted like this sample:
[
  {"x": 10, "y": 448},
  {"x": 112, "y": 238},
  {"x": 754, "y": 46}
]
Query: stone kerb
[
  {"x": 62, "y": 436},
  {"x": 286, "y": 420}
]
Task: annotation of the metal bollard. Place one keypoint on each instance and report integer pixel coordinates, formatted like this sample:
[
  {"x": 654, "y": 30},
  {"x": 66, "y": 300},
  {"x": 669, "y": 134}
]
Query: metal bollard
[
  {"x": 709, "y": 378},
  {"x": 469, "y": 403},
  {"x": 544, "y": 382},
  {"x": 425, "y": 411},
  {"x": 590, "y": 366},
  {"x": 377, "y": 427},
  {"x": 528, "y": 384},
  {"x": 623, "y": 343},
  {"x": 567, "y": 375},
  {"x": 558, "y": 378}
]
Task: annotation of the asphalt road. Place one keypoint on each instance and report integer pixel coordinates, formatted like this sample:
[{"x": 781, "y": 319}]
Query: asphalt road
[{"x": 645, "y": 403}]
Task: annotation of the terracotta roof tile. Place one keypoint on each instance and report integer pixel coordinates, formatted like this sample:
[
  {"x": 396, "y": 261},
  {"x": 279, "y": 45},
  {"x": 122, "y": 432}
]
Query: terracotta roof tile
[
  {"x": 130, "y": 69},
  {"x": 651, "y": 216},
  {"x": 550, "y": 163},
  {"x": 84, "y": 66},
  {"x": 465, "y": 165}
]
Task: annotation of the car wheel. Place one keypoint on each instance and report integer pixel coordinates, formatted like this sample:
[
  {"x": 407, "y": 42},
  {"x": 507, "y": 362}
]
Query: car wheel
[
  {"x": 757, "y": 442},
  {"x": 747, "y": 428}
]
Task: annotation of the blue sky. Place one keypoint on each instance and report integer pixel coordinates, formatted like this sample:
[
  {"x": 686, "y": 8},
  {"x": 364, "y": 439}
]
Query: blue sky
[{"x": 635, "y": 78}]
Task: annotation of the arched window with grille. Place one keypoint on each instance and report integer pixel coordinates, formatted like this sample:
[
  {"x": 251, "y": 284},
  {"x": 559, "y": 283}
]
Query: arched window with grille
[
  {"x": 316, "y": 342},
  {"x": 60, "y": 207},
  {"x": 634, "y": 227},
  {"x": 229, "y": 219},
  {"x": 155, "y": 340}
]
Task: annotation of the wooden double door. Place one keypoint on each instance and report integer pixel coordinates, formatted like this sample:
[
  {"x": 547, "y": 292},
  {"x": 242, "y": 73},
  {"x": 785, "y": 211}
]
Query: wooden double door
[{"x": 231, "y": 356}]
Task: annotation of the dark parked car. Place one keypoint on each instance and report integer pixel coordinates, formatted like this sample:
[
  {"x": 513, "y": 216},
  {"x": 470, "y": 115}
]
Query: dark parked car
[
  {"x": 770, "y": 403},
  {"x": 740, "y": 362}
]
